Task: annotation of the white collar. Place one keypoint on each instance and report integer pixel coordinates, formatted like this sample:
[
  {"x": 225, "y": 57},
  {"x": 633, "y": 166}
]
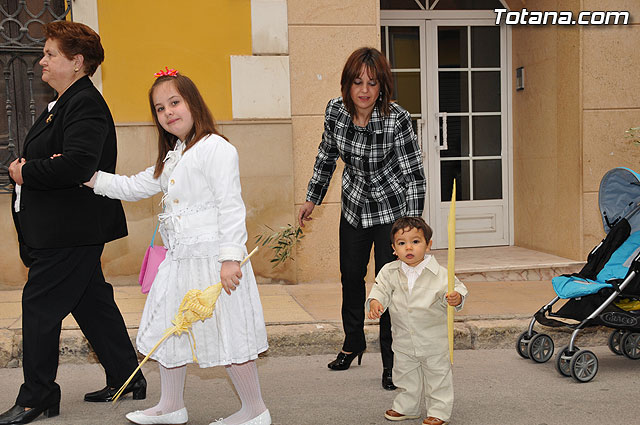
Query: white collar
[{"x": 418, "y": 268}]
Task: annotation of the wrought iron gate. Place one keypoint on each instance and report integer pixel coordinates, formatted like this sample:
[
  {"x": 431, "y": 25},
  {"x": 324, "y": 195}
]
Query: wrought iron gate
[{"x": 22, "y": 92}]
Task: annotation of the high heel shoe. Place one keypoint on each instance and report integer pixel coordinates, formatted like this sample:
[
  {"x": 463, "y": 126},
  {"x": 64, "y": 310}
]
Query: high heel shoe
[
  {"x": 137, "y": 387},
  {"x": 18, "y": 415},
  {"x": 343, "y": 361}
]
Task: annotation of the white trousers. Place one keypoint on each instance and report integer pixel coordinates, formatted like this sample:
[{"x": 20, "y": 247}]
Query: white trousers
[{"x": 431, "y": 374}]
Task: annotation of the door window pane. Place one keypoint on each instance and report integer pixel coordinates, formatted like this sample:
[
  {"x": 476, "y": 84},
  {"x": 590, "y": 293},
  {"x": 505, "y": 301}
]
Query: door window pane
[
  {"x": 485, "y": 47},
  {"x": 23, "y": 93},
  {"x": 452, "y": 47},
  {"x": 487, "y": 179},
  {"x": 457, "y": 137},
  {"x": 401, "y": 4},
  {"x": 466, "y": 4},
  {"x": 485, "y": 91},
  {"x": 458, "y": 170},
  {"x": 404, "y": 47},
  {"x": 487, "y": 136},
  {"x": 453, "y": 91},
  {"x": 407, "y": 90}
]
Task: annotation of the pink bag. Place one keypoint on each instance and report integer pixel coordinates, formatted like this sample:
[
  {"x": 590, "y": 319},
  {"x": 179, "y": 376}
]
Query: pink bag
[{"x": 152, "y": 259}]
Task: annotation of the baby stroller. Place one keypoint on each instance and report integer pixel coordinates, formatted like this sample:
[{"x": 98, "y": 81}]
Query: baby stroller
[{"x": 606, "y": 292}]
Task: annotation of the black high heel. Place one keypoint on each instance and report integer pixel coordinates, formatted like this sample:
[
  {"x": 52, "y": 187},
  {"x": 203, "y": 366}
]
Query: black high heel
[
  {"x": 18, "y": 415},
  {"x": 343, "y": 361},
  {"x": 137, "y": 387}
]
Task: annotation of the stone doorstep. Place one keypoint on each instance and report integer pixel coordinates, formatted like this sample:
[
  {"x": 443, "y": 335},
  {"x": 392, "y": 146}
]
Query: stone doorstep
[{"x": 326, "y": 338}]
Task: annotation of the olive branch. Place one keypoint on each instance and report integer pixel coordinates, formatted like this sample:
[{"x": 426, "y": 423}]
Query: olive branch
[
  {"x": 634, "y": 134},
  {"x": 282, "y": 242}
]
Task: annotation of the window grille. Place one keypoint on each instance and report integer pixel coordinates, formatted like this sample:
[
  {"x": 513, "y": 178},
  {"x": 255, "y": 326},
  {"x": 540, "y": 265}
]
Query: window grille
[{"x": 22, "y": 92}]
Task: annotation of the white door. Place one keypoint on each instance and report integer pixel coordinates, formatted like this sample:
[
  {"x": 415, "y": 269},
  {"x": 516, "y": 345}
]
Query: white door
[{"x": 451, "y": 75}]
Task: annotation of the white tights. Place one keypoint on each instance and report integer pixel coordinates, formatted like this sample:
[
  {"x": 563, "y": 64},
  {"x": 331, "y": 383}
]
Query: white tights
[
  {"x": 172, "y": 391},
  {"x": 244, "y": 377}
]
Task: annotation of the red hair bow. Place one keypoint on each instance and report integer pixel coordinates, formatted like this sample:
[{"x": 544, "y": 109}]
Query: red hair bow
[{"x": 166, "y": 72}]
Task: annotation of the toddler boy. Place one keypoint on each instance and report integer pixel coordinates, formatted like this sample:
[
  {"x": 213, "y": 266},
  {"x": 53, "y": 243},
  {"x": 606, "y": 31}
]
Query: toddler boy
[{"x": 414, "y": 289}]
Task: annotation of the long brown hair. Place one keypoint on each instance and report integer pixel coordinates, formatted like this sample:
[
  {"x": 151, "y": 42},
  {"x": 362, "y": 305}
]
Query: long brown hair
[
  {"x": 378, "y": 66},
  {"x": 203, "y": 122}
]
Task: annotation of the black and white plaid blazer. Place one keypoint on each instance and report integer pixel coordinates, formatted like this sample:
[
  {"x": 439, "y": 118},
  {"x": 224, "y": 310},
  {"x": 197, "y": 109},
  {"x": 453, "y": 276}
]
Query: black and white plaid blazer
[{"x": 383, "y": 177}]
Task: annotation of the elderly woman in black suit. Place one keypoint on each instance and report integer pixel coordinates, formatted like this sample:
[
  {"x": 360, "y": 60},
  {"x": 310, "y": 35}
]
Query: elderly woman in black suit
[{"x": 62, "y": 228}]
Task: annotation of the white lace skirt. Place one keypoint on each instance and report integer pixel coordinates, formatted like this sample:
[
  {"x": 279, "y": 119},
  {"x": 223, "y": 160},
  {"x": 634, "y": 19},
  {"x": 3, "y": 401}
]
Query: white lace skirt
[{"x": 235, "y": 333}]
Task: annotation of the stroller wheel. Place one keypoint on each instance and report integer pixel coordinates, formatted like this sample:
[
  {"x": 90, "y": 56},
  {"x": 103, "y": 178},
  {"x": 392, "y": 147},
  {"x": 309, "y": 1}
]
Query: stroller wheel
[
  {"x": 563, "y": 360},
  {"x": 540, "y": 348},
  {"x": 584, "y": 366},
  {"x": 630, "y": 345},
  {"x": 523, "y": 342},
  {"x": 615, "y": 340}
]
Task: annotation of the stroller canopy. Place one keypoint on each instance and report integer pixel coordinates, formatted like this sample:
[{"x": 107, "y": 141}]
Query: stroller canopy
[{"x": 619, "y": 197}]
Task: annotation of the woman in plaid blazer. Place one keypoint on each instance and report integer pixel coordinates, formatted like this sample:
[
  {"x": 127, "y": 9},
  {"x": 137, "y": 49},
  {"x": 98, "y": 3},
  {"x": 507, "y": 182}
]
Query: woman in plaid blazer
[{"x": 383, "y": 180}]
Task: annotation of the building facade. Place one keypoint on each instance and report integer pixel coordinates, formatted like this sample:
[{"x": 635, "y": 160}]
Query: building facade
[{"x": 527, "y": 161}]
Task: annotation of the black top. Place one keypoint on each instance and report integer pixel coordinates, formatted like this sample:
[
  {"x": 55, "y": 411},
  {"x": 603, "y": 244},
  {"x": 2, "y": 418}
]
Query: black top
[{"x": 56, "y": 210}]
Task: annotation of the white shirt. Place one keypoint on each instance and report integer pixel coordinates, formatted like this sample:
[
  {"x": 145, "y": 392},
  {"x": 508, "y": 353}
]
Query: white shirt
[
  {"x": 412, "y": 273},
  {"x": 16, "y": 205}
]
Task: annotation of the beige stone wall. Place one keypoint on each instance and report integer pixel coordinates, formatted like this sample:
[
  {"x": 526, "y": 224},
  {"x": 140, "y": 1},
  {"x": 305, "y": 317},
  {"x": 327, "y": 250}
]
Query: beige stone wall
[
  {"x": 611, "y": 105},
  {"x": 12, "y": 272},
  {"x": 569, "y": 124},
  {"x": 266, "y": 174},
  {"x": 136, "y": 151},
  {"x": 546, "y": 137},
  {"x": 321, "y": 37}
]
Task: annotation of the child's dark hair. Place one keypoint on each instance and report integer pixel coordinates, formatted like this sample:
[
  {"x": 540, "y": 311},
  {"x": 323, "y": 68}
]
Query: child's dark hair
[
  {"x": 203, "y": 122},
  {"x": 411, "y": 223}
]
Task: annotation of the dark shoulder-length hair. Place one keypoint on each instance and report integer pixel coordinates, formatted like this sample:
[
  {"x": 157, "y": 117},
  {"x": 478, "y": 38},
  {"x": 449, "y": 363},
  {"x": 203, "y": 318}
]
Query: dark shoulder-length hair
[
  {"x": 75, "y": 38},
  {"x": 203, "y": 122},
  {"x": 377, "y": 66}
]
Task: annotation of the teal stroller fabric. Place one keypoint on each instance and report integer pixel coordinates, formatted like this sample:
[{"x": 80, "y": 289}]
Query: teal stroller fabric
[{"x": 616, "y": 268}]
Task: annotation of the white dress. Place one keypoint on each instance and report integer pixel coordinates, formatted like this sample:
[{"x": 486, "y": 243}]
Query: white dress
[{"x": 202, "y": 225}]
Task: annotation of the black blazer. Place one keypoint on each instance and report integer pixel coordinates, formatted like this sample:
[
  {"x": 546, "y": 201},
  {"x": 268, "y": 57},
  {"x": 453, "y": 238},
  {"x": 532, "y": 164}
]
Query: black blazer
[{"x": 56, "y": 210}]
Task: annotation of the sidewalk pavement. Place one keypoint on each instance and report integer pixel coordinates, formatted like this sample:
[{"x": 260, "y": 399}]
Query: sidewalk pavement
[{"x": 305, "y": 318}]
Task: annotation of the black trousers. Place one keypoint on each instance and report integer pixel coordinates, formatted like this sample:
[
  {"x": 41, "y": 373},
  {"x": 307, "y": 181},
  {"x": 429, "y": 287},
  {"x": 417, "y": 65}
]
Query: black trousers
[
  {"x": 355, "y": 248},
  {"x": 63, "y": 281}
]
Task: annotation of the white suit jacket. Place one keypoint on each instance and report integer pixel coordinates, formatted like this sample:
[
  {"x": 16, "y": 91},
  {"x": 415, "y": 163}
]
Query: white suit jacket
[{"x": 419, "y": 318}]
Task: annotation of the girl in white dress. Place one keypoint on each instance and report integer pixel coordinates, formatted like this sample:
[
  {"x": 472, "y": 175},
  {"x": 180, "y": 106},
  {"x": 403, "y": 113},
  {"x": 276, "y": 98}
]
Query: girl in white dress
[{"x": 203, "y": 228}]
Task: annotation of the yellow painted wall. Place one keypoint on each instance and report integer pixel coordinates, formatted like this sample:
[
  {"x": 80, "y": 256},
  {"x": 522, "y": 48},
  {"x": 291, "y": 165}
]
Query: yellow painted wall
[{"x": 196, "y": 37}]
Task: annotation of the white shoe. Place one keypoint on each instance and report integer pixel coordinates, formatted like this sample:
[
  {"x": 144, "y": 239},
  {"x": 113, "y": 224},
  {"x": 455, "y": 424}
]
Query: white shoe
[
  {"x": 263, "y": 419},
  {"x": 173, "y": 418}
]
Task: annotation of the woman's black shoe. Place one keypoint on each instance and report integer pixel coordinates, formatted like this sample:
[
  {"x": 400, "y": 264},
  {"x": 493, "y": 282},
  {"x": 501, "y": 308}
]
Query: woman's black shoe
[
  {"x": 138, "y": 387},
  {"x": 343, "y": 361},
  {"x": 18, "y": 414},
  {"x": 387, "y": 379}
]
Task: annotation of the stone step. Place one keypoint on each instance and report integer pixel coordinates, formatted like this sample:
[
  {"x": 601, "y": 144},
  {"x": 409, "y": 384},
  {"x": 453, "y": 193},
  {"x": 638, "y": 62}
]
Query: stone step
[
  {"x": 327, "y": 338},
  {"x": 507, "y": 263}
]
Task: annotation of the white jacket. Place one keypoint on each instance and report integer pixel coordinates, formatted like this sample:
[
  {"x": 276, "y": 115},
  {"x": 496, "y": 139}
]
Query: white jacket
[
  {"x": 419, "y": 318},
  {"x": 204, "y": 214}
]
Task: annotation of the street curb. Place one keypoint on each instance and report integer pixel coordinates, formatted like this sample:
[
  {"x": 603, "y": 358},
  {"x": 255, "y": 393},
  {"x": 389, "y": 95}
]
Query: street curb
[{"x": 327, "y": 338}]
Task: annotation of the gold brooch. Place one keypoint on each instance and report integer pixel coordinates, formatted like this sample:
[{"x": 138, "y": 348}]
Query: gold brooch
[{"x": 49, "y": 118}]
